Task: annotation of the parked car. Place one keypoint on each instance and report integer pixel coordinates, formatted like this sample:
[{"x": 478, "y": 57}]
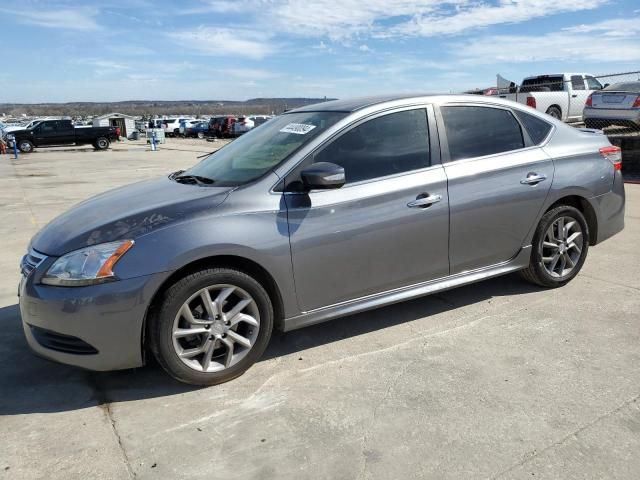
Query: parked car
[
  {"x": 172, "y": 125},
  {"x": 325, "y": 211},
  {"x": 222, "y": 127},
  {"x": 617, "y": 104},
  {"x": 259, "y": 119},
  {"x": 560, "y": 95},
  {"x": 199, "y": 130},
  {"x": 62, "y": 132},
  {"x": 242, "y": 125},
  {"x": 186, "y": 124}
]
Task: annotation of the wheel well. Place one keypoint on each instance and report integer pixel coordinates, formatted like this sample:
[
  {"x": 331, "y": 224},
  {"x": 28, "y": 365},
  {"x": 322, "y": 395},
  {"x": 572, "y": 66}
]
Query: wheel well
[
  {"x": 586, "y": 209},
  {"x": 225, "y": 261},
  {"x": 555, "y": 106}
]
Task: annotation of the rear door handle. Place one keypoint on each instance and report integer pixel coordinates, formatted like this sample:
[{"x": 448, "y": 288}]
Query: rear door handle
[
  {"x": 424, "y": 200},
  {"x": 533, "y": 179}
]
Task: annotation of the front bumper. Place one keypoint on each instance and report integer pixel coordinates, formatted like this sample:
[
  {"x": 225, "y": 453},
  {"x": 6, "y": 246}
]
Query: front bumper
[{"x": 97, "y": 327}]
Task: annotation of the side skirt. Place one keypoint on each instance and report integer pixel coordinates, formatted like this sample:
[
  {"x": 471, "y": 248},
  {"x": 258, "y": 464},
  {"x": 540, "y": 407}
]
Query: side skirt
[{"x": 520, "y": 261}]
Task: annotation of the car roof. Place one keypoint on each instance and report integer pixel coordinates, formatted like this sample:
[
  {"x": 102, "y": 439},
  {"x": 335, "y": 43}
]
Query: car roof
[{"x": 350, "y": 105}]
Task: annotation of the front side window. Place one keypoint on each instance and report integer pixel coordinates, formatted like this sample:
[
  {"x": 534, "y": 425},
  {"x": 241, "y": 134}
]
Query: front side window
[
  {"x": 386, "y": 145},
  {"x": 477, "y": 131},
  {"x": 263, "y": 148},
  {"x": 577, "y": 83}
]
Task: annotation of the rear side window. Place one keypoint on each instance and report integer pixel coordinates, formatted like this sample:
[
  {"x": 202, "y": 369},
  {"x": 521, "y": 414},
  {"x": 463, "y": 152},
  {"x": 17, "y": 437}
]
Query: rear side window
[
  {"x": 536, "y": 128},
  {"x": 593, "y": 84},
  {"x": 577, "y": 83},
  {"x": 394, "y": 143},
  {"x": 478, "y": 131}
]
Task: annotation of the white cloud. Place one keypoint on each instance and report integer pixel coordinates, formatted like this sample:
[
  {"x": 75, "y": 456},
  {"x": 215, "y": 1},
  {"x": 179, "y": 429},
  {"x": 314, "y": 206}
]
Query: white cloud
[
  {"x": 364, "y": 48},
  {"x": 477, "y": 15},
  {"x": 225, "y": 41},
  {"x": 565, "y": 46},
  {"x": 80, "y": 18},
  {"x": 345, "y": 20}
]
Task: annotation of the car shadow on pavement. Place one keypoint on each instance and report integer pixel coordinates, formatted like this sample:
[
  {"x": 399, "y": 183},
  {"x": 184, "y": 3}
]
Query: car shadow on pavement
[{"x": 30, "y": 384}]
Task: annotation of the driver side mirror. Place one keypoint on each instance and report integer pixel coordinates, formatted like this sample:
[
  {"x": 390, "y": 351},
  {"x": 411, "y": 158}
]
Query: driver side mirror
[{"x": 323, "y": 176}]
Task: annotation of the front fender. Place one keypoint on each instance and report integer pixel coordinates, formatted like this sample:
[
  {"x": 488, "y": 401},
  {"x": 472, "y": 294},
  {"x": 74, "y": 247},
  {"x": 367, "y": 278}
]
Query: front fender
[{"x": 261, "y": 237}]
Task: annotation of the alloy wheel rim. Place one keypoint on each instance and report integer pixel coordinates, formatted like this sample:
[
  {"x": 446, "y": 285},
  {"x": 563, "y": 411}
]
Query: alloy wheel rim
[
  {"x": 562, "y": 247},
  {"x": 102, "y": 143},
  {"x": 215, "y": 328},
  {"x": 26, "y": 147}
]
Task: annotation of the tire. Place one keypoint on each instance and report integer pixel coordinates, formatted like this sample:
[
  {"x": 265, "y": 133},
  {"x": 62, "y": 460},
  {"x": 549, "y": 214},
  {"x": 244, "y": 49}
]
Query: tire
[
  {"x": 224, "y": 363},
  {"x": 101, "y": 143},
  {"x": 25, "y": 146},
  {"x": 554, "y": 112},
  {"x": 176, "y": 132},
  {"x": 201, "y": 135},
  {"x": 542, "y": 270}
]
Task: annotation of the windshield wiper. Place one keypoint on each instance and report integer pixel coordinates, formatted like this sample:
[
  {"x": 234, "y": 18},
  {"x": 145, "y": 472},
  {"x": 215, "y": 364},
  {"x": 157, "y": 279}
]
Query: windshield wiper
[{"x": 198, "y": 179}]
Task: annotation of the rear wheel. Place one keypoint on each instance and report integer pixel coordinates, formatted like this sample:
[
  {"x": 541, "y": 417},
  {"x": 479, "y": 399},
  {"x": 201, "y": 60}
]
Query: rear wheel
[
  {"x": 25, "y": 146},
  {"x": 200, "y": 135},
  {"x": 554, "y": 112},
  {"x": 212, "y": 326},
  {"x": 101, "y": 143},
  {"x": 560, "y": 246}
]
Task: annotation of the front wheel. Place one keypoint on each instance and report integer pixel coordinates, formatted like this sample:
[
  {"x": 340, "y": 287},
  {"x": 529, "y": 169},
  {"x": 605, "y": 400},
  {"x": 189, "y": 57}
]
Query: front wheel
[
  {"x": 101, "y": 143},
  {"x": 559, "y": 248},
  {"x": 200, "y": 135},
  {"x": 25, "y": 146},
  {"x": 212, "y": 326}
]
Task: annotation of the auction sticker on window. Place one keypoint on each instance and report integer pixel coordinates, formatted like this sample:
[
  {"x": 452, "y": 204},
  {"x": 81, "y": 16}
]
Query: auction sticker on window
[{"x": 298, "y": 128}]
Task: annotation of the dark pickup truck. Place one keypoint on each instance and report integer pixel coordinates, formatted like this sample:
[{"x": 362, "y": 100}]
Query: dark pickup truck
[{"x": 62, "y": 132}]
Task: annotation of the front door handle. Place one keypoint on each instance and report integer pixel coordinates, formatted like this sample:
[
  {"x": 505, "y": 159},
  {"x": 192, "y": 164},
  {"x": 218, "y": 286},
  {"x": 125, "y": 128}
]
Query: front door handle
[
  {"x": 533, "y": 179},
  {"x": 424, "y": 200}
]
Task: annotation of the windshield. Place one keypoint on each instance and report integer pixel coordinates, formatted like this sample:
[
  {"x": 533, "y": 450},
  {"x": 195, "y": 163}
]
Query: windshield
[{"x": 263, "y": 148}]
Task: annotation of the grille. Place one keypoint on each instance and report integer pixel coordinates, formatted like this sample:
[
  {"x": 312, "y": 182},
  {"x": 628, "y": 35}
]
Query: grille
[
  {"x": 30, "y": 261},
  {"x": 61, "y": 343}
]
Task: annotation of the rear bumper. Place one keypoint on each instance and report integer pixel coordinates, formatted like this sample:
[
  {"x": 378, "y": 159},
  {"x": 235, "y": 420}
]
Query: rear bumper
[
  {"x": 612, "y": 114},
  {"x": 99, "y": 327},
  {"x": 610, "y": 209}
]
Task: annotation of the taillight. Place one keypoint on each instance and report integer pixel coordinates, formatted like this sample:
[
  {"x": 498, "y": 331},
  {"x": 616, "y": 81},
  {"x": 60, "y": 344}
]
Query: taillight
[
  {"x": 589, "y": 102},
  {"x": 636, "y": 104},
  {"x": 531, "y": 102},
  {"x": 614, "y": 155}
]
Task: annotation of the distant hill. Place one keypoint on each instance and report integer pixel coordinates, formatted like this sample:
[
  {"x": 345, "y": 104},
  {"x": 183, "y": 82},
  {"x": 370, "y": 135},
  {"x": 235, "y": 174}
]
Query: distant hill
[{"x": 160, "y": 107}]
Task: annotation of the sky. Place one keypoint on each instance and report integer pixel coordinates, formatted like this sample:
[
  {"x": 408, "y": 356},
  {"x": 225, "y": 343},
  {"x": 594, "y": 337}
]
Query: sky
[{"x": 63, "y": 50}]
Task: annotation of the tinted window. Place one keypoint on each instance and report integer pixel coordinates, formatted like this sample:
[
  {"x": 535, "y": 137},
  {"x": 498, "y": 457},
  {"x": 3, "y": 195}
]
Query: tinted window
[
  {"x": 625, "y": 87},
  {"x": 536, "y": 128},
  {"x": 577, "y": 83},
  {"x": 394, "y": 143},
  {"x": 478, "y": 131},
  {"x": 593, "y": 84},
  {"x": 553, "y": 83}
]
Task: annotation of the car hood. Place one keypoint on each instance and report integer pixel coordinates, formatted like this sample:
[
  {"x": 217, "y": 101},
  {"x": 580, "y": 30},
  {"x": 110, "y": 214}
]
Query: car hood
[{"x": 126, "y": 213}]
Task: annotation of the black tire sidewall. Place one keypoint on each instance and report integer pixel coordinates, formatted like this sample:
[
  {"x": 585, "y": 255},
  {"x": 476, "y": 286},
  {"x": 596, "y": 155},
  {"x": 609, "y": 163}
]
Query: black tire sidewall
[
  {"x": 25, "y": 142},
  {"x": 97, "y": 146},
  {"x": 161, "y": 341},
  {"x": 554, "y": 112},
  {"x": 536, "y": 255}
]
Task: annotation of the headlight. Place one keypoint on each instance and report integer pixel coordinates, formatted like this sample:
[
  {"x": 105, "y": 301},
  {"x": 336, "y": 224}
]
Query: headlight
[{"x": 86, "y": 266}]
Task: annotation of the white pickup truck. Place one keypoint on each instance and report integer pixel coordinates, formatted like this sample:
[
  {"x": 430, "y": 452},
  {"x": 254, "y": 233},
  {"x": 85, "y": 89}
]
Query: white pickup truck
[{"x": 561, "y": 95}]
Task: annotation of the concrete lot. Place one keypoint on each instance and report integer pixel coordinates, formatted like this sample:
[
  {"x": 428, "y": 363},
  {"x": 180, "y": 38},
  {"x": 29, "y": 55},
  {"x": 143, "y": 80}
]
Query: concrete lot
[{"x": 494, "y": 380}]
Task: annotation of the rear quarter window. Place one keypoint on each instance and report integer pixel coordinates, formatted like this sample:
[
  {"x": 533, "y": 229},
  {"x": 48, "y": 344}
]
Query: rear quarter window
[{"x": 536, "y": 128}]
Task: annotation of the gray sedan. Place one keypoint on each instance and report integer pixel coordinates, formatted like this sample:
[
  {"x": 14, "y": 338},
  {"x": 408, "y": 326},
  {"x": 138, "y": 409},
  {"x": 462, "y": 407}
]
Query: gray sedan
[
  {"x": 617, "y": 104},
  {"x": 322, "y": 212}
]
